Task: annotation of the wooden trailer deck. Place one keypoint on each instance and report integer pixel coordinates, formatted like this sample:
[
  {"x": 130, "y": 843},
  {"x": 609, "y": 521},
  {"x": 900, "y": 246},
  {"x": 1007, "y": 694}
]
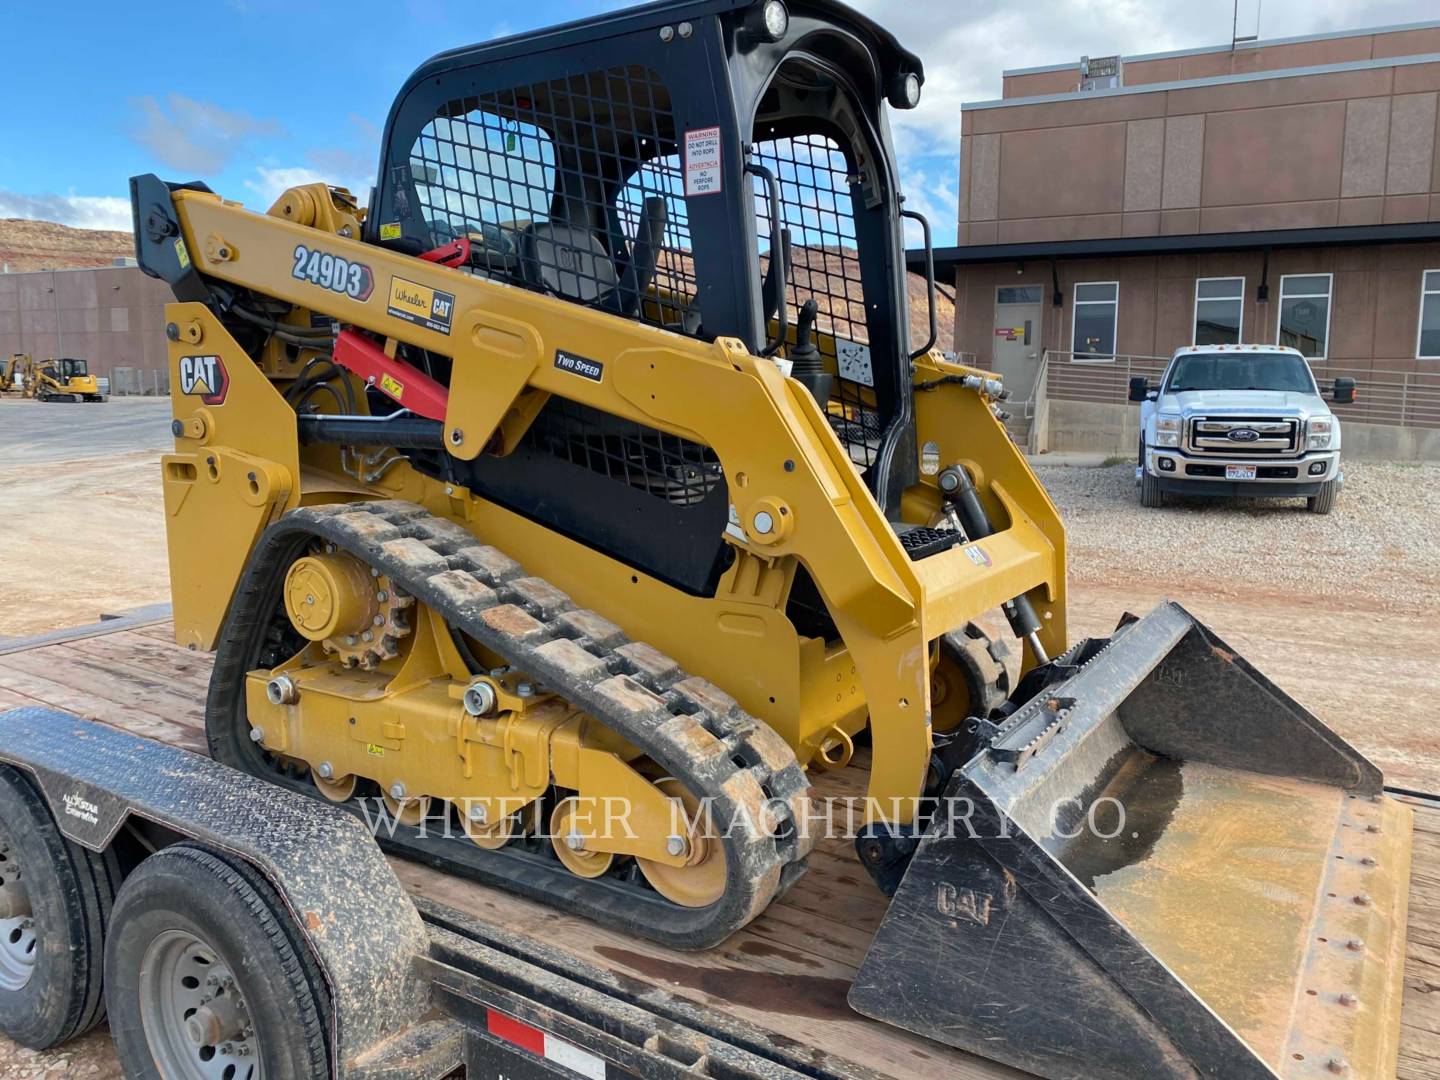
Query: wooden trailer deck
[{"x": 786, "y": 974}]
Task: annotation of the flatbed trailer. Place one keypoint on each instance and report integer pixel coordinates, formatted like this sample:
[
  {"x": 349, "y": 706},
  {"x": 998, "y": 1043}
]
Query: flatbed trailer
[{"x": 769, "y": 1002}]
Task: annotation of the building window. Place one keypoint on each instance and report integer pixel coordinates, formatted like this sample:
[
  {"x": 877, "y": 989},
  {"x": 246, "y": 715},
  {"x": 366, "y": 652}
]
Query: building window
[
  {"x": 1018, "y": 294},
  {"x": 1305, "y": 314},
  {"x": 1427, "y": 346},
  {"x": 1219, "y": 310},
  {"x": 1092, "y": 327}
]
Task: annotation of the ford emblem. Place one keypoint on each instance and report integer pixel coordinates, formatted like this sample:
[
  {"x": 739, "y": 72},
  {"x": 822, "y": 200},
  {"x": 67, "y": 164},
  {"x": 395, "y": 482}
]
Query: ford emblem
[{"x": 1243, "y": 434}]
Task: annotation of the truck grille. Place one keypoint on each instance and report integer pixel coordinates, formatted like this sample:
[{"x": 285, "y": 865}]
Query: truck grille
[{"x": 1273, "y": 436}]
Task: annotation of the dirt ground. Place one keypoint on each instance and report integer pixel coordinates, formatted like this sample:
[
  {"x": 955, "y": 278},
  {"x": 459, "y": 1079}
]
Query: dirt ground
[
  {"x": 81, "y": 514},
  {"x": 1355, "y": 639},
  {"x": 1342, "y": 612},
  {"x": 82, "y": 539}
]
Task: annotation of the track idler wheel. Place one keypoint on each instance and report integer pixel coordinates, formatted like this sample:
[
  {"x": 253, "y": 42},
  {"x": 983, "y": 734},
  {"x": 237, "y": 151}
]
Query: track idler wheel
[
  {"x": 701, "y": 881},
  {"x": 337, "y": 789},
  {"x": 408, "y": 810},
  {"x": 569, "y": 842},
  {"x": 490, "y": 837}
]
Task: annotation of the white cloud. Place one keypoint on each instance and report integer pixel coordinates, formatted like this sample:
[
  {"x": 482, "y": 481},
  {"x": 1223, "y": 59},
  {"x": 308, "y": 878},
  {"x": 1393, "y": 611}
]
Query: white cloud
[
  {"x": 966, "y": 46},
  {"x": 196, "y": 136},
  {"x": 79, "y": 211},
  {"x": 270, "y": 184},
  {"x": 932, "y": 192}
]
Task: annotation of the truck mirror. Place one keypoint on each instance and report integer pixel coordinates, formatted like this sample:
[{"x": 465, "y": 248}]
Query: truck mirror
[
  {"x": 1344, "y": 393},
  {"x": 1139, "y": 388}
]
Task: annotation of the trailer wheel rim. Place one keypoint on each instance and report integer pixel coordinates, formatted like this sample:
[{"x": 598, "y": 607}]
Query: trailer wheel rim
[
  {"x": 19, "y": 943},
  {"x": 196, "y": 1022}
]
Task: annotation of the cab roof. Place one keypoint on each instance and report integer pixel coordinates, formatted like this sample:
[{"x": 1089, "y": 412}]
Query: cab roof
[
  {"x": 1237, "y": 349},
  {"x": 892, "y": 55}
]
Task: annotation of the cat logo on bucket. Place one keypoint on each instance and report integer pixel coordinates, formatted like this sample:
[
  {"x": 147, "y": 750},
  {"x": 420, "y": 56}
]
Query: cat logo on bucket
[{"x": 204, "y": 377}]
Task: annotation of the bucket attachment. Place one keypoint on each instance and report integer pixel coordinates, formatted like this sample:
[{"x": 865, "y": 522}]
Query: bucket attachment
[{"x": 1162, "y": 866}]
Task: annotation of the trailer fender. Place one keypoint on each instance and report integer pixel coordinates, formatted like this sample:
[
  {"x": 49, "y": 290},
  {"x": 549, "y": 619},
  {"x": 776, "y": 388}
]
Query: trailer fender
[{"x": 359, "y": 923}]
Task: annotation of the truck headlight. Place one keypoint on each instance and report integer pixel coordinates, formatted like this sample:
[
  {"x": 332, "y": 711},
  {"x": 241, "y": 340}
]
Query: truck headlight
[
  {"x": 1318, "y": 433},
  {"x": 1167, "y": 430}
]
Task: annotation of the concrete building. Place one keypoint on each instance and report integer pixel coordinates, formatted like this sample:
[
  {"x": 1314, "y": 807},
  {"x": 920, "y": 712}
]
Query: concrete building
[
  {"x": 1284, "y": 190},
  {"x": 113, "y": 317}
]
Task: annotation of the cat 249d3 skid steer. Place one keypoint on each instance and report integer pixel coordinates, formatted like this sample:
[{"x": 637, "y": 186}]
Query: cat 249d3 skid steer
[{"x": 595, "y": 464}]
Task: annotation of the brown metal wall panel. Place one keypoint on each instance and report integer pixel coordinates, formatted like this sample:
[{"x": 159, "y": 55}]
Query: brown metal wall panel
[{"x": 110, "y": 316}]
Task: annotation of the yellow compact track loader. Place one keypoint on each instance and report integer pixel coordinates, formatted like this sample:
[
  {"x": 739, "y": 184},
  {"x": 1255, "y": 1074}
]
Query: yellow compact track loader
[{"x": 586, "y": 491}]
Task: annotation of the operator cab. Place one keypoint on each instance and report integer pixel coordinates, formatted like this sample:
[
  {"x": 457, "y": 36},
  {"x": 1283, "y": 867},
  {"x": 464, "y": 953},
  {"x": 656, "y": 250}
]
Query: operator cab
[
  {"x": 71, "y": 369},
  {"x": 709, "y": 167}
]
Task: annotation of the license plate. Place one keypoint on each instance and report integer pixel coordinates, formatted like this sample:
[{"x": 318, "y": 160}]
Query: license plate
[{"x": 1239, "y": 472}]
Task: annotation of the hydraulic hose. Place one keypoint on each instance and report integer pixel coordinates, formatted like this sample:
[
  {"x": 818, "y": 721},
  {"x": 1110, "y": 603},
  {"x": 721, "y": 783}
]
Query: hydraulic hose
[{"x": 957, "y": 486}]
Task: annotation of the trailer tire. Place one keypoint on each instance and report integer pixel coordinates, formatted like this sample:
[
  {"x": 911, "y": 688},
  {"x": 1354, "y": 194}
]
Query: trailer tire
[
  {"x": 69, "y": 892},
  {"x": 1324, "y": 501},
  {"x": 225, "y": 918}
]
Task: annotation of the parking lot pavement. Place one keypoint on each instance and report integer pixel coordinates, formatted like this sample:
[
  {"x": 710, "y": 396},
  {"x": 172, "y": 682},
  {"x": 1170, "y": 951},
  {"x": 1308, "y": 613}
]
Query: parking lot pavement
[{"x": 32, "y": 431}]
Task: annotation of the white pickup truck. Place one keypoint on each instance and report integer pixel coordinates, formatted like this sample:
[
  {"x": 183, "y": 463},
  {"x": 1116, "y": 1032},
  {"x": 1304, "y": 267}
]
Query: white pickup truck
[{"x": 1239, "y": 420}]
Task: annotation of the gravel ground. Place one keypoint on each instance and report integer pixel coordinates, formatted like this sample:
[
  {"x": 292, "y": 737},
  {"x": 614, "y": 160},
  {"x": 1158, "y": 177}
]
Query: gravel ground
[{"x": 1377, "y": 549}]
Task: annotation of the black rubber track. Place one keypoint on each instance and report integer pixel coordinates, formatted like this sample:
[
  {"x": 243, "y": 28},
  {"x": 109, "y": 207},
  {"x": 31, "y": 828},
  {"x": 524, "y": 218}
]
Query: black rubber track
[{"x": 690, "y": 728}]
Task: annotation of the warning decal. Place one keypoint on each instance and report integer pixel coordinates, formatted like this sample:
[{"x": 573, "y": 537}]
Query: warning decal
[{"x": 702, "y": 161}]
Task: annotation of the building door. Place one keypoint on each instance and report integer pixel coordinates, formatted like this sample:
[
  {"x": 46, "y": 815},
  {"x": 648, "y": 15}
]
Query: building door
[{"x": 1017, "y": 336}]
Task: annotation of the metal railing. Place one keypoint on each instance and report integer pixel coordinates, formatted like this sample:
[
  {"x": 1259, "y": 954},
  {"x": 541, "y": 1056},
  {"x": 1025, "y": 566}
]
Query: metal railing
[
  {"x": 1033, "y": 403},
  {"x": 1106, "y": 381},
  {"x": 139, "y": 382},
  {"x": 1393, "y": 398}
]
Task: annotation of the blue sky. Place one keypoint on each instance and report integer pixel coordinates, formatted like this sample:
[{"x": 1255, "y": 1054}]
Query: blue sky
[{"x": 254, "y": 95}]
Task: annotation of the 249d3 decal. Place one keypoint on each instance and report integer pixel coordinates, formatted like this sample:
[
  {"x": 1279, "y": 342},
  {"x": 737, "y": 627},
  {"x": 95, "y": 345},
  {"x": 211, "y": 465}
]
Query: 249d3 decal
[{"x": 333, "y": 272}]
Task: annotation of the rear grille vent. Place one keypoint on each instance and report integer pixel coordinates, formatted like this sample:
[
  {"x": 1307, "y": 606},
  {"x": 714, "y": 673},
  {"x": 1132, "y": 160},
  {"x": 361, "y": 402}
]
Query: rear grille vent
[
  {"x": 920, "y": 543},
  {"x": 666, "y": 466}
]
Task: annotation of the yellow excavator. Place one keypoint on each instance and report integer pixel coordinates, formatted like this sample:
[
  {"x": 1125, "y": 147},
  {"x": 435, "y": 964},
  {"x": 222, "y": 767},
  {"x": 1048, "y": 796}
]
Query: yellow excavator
[
  {"x": 583, "y": 494},
  {"x": 54, "y": 379},
  {"x": 12, "y": 369}
]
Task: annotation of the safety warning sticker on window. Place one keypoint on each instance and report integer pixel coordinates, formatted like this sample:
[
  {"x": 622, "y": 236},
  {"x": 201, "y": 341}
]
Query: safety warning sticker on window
[
  {"x": 853, "y": 360},
  {"x": 702, "y": 161}
]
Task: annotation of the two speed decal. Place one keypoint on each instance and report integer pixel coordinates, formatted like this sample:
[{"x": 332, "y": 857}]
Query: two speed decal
[
  {"x": 593, "y": 370},
  {"x": 332, "y": 272}
]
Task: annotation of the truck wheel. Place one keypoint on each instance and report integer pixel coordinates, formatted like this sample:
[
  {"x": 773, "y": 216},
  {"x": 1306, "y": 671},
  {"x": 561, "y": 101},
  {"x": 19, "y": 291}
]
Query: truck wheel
[
  {"x": 1324, "y": 502},
  {"x": 55, "y": 900},
  {"x": 207, "y": 976},
  {"x": 1150, "y": 494}
]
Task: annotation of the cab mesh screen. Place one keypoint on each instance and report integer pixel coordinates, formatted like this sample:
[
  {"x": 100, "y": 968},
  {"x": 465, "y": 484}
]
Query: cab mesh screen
[
  {"x": 572, "y": 186},
  {"x": 816, "y": 206}
]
